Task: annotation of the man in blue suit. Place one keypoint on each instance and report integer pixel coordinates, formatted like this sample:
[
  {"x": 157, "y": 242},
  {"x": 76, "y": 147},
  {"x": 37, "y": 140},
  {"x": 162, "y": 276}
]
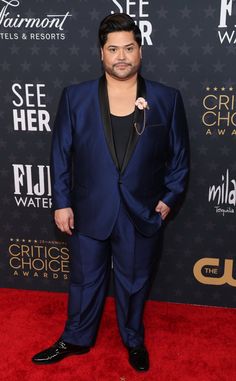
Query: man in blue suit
[{"x": 119, "y": 165}]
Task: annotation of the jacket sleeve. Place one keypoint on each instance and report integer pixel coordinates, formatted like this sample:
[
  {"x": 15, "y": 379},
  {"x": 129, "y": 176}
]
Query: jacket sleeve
[
  {"x": 177, "y": 165},
  {"x": 61, "y": 160}
]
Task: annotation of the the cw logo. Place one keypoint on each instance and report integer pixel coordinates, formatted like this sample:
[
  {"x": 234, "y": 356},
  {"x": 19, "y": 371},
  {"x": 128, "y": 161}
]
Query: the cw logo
[{"x": 210, "y": 266}]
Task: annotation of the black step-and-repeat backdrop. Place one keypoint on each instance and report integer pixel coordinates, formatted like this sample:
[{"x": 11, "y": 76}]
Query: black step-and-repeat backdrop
[{"x": 190, "y": 45}]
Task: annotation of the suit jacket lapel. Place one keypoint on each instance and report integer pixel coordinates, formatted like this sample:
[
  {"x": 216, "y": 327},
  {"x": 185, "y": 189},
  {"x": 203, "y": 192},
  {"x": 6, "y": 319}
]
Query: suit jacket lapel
[
  {"x": 138, "y": 118},
  {"x": 105, "y": 112}
]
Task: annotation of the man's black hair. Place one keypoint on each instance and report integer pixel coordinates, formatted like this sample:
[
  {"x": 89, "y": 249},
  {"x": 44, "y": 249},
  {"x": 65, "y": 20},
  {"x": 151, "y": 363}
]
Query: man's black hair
[{"x": 118, "y": 22}]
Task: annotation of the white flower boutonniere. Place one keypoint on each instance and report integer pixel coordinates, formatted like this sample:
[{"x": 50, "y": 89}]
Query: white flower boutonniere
[{"x": 142, "y": 104}]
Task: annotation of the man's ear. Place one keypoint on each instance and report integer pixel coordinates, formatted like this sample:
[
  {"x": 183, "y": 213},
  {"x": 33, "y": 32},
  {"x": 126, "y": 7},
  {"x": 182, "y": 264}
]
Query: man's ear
[
  {"x": 140, "y": 51},
  {"x": 101, "y": 51}
]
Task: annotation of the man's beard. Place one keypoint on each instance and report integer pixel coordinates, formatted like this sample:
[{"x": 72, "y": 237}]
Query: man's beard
[{"x": 122, "y": 75}]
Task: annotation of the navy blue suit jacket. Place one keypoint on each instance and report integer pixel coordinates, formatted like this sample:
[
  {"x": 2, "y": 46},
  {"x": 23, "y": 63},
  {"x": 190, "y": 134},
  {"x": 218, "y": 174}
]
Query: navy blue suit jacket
[{"x": 84, "y": 167}]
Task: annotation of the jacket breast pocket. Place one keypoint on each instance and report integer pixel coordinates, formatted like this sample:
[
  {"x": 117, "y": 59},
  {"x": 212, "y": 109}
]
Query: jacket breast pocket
[{"x": 155, "y": 125}]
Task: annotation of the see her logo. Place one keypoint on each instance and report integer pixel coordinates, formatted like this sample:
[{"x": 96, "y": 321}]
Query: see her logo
[{"x": 138, "y": 10}]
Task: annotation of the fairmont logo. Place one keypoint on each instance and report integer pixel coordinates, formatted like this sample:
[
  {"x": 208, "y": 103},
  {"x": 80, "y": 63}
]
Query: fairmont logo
[
  {"x": 50, "y": 21},
  {"x": 224, "y": 195},
  {"x": 226, "y": 12}
]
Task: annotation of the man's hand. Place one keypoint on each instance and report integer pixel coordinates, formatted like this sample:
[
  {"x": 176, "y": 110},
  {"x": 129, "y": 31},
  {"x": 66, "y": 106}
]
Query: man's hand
[
  {"x": 163, "y": 209},
  {"x": 64, "y": 219}
]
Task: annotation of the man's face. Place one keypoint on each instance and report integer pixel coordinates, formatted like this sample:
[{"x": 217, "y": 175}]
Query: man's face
[{"x": 121, "y": 55}]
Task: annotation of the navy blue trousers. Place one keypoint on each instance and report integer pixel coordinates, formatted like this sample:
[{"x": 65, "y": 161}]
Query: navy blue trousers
[{"x": 134, "y": 257}]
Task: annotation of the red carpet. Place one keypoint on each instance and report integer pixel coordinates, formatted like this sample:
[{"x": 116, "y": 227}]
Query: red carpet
[{"x": 186, "y": 343}]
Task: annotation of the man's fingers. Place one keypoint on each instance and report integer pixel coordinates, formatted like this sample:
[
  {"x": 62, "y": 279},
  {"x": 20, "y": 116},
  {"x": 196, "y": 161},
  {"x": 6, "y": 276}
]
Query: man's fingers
[
  {"x": 64, "y": 227},
  {"x": 64, "y": 219},
  {"x": 71, "y": 222},
  {"x": 68, "y": 231},
  {"x": 163, "y": 209},
  {"x": 163, "y": 215}
]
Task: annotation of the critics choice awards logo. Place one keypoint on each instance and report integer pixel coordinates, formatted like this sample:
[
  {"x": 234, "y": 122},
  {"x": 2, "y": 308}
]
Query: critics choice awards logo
[
  {"x": 227, "y": 27},
  {"x": 11, "y": 23},
  {"x": 215, "y": 272},
  {"x": 38, "y": 259},
  {"x": 29, "y": 108},
  {"x": 223, "y": 195},
  {"x": 139, "y": 11},
  {"x": 219, "y": 111},
  {"x": 32, "y": 185}
]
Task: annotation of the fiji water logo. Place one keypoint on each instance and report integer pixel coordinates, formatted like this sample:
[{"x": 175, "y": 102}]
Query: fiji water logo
[
  {"x": 32, "y": 186},
  {"x": 227, "y": 27},
  {"x": 223, "y": 195}
]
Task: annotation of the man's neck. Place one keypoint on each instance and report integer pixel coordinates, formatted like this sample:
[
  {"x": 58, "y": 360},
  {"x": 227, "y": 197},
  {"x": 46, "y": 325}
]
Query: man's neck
[{"x": 123, "y": 85}]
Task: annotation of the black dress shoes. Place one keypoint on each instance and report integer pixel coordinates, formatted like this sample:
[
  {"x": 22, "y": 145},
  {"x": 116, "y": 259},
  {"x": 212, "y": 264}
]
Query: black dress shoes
[
  {"x": 57, "y": 352},
  {"x": 139, "y": 358}
]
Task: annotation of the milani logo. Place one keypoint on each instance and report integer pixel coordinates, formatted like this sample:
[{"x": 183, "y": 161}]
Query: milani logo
[
  {"x": 224, "y": 195},
  {"x": 227, "y": 27}
]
